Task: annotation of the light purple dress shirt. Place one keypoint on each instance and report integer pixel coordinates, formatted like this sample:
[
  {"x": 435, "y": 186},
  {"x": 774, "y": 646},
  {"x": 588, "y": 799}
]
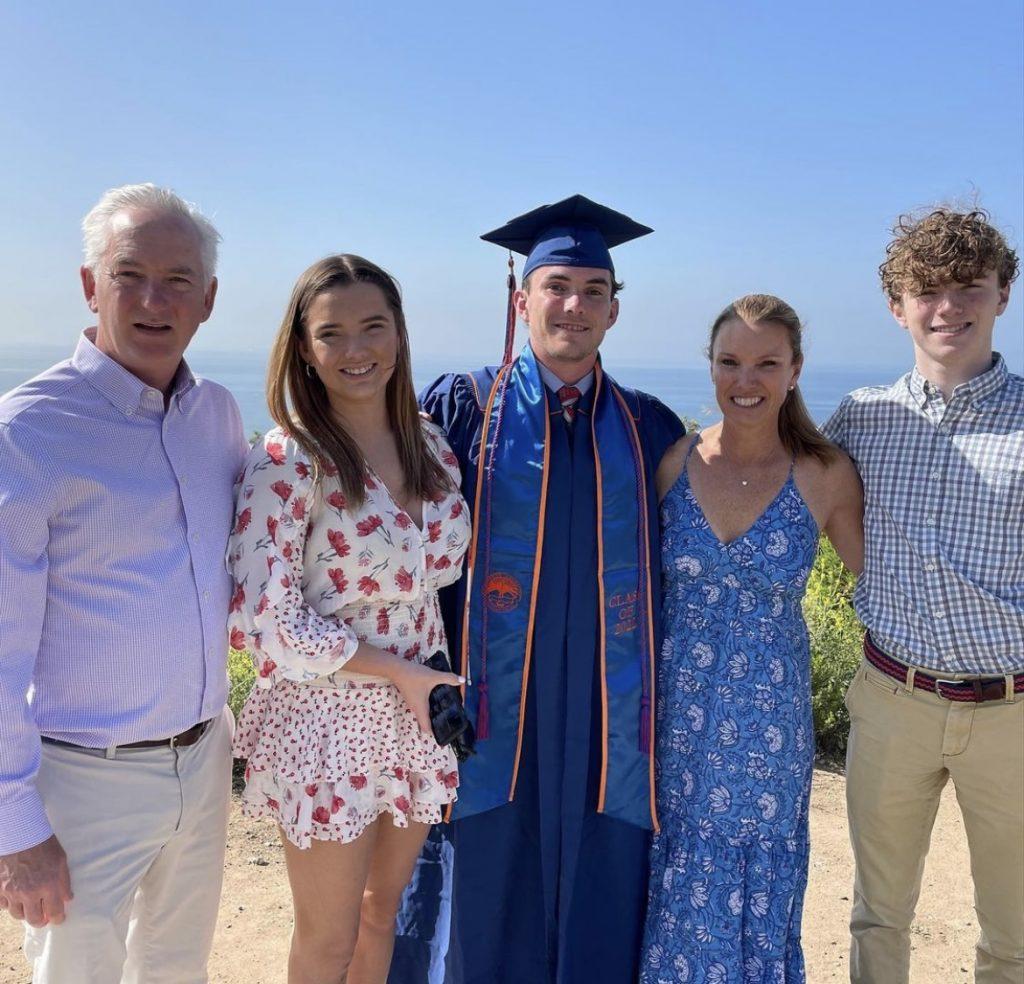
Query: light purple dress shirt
[{"x": 114, "y": 517}]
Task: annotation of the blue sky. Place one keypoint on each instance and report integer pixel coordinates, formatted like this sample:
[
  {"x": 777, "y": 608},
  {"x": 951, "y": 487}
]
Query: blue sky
[{"x": 770, "y": 146}]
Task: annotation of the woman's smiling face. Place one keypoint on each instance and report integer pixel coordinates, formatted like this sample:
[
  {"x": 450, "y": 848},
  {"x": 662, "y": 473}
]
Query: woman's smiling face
[
  {"x": 351, "y": 340},
  {"x": 752, "y": 368}
]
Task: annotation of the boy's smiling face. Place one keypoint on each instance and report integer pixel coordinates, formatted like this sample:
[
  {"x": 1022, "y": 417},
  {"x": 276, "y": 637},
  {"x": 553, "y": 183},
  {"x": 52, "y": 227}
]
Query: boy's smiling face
[{"x": 951, "y": 323}]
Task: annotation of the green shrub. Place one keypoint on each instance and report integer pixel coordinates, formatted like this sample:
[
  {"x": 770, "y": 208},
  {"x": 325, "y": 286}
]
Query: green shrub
[
  {"x": 241, "y": 675},
  {"x": 836, "y": 638}
]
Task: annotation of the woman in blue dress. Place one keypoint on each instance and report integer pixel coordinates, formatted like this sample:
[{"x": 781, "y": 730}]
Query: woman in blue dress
[{"x": 742, "y": 505}]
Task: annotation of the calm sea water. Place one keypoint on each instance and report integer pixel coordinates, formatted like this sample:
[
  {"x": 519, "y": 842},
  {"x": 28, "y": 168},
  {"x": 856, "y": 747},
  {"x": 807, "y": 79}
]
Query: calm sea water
[{"x": 687, "y": 391}]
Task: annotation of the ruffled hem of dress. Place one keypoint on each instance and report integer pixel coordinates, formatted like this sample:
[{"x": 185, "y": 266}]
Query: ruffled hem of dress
[
  {"x": 304, "y": 735},
  {"x": 337, "y": 811}
]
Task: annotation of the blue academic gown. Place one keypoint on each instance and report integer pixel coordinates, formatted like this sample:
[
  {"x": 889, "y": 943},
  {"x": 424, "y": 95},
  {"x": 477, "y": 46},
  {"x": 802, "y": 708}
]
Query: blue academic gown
[{"x": 541, "y": 889}]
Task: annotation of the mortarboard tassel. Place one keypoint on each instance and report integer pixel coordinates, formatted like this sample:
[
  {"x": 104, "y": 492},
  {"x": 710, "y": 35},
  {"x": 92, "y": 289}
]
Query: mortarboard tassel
[
  {"x": 510, "y": 314},
  {"x": 645, "y": 724}
]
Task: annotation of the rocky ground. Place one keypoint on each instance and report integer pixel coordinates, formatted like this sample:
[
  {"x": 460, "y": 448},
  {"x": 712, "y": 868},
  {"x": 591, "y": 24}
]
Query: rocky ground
[{"x": 255, "y": 913}]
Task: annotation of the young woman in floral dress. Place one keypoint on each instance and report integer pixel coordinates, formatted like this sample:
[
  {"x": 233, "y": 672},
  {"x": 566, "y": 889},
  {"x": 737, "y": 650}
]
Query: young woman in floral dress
[{"x": 348, "y": 521}]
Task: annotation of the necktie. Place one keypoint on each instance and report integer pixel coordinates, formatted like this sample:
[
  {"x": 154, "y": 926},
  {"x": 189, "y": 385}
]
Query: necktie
[{"x": 570, "y": 396}]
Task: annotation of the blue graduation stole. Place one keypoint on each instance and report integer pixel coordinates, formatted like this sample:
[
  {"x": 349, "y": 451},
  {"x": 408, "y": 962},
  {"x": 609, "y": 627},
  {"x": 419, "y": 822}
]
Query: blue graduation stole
[{"x": 503, "y": 573}]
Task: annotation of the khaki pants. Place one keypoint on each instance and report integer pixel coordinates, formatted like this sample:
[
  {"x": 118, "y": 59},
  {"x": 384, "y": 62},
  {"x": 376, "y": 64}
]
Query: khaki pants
[
  {"x": 144, "y": 833},
  {"x": 904, "y": 744}
]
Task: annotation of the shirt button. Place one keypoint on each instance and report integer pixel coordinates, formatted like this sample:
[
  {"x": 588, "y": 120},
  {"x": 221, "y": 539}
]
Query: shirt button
[
  {"x": 183, "y": 479},
  {"x": 929, "y": 567},
  {"x": 195, "y": 537},
  {"x": 936, "y": 475},
  {"x": 930, "y": 521},
  {"x": 206, "y": 595},
  {"x": 939, "y": 613}
]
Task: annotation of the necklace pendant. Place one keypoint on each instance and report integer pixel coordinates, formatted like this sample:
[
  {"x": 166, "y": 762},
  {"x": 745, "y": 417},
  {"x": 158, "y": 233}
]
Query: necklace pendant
[{"x": 743, "y": 482}]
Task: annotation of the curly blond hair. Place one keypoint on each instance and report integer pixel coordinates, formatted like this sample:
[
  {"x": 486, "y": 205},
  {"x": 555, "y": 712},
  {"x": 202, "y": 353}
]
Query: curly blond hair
[{"x": 944, "y": 246}]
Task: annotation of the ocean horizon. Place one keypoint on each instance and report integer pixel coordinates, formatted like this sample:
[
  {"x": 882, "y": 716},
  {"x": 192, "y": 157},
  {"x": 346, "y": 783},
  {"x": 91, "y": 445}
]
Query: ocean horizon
[{"x": 686, "y": 390}]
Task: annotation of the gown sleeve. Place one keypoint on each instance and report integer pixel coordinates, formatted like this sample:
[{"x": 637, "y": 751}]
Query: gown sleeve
[
  {"x": 269, "y": 615},
  {"x": 660, "y": 427}
]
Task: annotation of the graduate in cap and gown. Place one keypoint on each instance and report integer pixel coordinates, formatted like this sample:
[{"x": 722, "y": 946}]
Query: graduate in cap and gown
[{"x": 542, "y": 874}]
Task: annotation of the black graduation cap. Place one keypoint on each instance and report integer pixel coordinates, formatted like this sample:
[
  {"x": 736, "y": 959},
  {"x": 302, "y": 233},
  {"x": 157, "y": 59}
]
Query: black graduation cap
[{"x": 574, "y": 232}]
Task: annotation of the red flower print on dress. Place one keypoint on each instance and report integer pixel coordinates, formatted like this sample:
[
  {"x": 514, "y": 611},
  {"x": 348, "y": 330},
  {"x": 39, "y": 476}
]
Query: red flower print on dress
[
  {"x": 244, "y": 519},
  {"x": 368, "y": 585},
  {"x": 421, "y": 617},
  {"x": 449, "y": 779},
  {"x": 302, "y": 469},
  {"x": 367, "y": 526},
  {"x": 287, "y": 550},
  {"x": 369, "y": 483},
  {"x": 412, "y": 652},
  {"x": 338, "y": 542},
  {"x": 322, "y": 815},
  {"x": 403, "y": 804},
  {"x": 262, "y": 605},
  {"x": 434, "y": 530},
  {"x": 336, "y": 803},
  {"x": 299, "y": 509},
  {"x": 272, "y": 528},
  {"x": 282, "y": 490},
  {"x": 311, "y": 789},
  {"x": 237, "y": 639},
  {"x": 399, "y": 773},
  {"x": 267, "y": 667},
  {"x": 337, "y": 501},
  {"x": 237, "y": 599},
  {"x": 357, "y": 781},
  {"x": 383, "y": 622},
  {"x": 442, "y": 563},
  {"x": 272, "y": 803},
  {"x": 448, "y": 457},
  {"x": 402, "y": 521},
  {"x": 338, "y": 579},
  {"x": 403, "y": 579},
  {"x": 456, "y": 508},
  {"x": 275, "y": 452}
]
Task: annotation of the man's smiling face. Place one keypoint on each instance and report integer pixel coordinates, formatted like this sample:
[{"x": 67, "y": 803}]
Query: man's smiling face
[
  {"x": 149, "y": 292},
  {"x": 568, "y": 311}
]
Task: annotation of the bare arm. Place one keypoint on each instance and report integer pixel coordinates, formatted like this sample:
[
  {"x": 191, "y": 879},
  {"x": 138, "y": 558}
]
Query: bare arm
[
  {"x": 671, "y": 466},
  {"x": 413, "y": 681},
  {"x": 845, "y": 523}
]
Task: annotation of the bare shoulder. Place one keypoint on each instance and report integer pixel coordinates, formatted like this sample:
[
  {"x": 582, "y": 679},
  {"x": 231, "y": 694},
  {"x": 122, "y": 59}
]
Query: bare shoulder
[
  {"x": 671, "y": 465},
  {"x": 827, "y": 486}
]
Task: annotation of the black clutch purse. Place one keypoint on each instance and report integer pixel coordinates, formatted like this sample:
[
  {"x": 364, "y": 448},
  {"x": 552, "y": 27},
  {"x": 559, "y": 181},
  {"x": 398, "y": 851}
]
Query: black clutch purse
[{"x": 448, "y": 718}]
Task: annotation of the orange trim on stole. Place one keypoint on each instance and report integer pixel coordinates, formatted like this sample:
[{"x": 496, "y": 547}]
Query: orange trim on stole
[
  {"x": 602, "y": 789},
  {"x": 474, "y": 540},
  {"x": 650, "y": 610},
  {"x": 533, "y": 601}
]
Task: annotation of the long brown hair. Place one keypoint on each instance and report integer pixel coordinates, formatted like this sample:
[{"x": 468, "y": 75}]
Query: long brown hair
[
  {"x": 797, "y": 430},
  {"x": 298, "y": 399}
]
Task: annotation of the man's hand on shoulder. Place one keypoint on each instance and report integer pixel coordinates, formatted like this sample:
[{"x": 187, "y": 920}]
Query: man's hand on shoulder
[{"x": 35, "y": 883}]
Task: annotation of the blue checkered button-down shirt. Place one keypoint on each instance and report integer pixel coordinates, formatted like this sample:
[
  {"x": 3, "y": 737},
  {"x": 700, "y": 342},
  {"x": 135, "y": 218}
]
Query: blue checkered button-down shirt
[{"x": 943, "y": 582}]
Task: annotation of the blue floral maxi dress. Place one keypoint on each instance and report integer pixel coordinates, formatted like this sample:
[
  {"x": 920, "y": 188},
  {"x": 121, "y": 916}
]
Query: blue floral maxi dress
[{"x": 735, "y": 748}]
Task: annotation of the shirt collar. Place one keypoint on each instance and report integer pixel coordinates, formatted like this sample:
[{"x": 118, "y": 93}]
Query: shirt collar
[
  {"x": 125, "y": 391},
  {"x": 977, "y": 391},
  {"x": 554, "y": 383}
]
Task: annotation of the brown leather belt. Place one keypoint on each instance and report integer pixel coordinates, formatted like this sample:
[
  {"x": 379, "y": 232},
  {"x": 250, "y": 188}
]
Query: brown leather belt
[
  {"x": 976, "y": 690},
  {"x": 187, "y": 737}
]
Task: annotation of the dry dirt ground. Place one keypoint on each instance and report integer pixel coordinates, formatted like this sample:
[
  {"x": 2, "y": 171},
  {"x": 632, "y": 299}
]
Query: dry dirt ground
[{"x": 255, "y": 912}]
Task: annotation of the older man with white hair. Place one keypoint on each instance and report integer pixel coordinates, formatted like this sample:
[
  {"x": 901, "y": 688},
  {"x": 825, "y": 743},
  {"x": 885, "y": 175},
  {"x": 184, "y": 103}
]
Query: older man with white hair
[{"x": 116, "y": 475}]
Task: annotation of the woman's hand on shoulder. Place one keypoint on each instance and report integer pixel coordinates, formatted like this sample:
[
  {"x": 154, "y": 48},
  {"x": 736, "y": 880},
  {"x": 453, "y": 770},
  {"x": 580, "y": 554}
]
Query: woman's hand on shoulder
[{"x": 671, "y": 465}]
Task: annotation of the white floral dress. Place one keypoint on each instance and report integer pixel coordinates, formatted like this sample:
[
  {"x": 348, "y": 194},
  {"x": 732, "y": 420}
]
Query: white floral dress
[{"x": 330, "y": 750}]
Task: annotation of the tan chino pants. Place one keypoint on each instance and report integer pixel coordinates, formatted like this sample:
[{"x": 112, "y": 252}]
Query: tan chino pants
[{"x": 904, "y": 744}]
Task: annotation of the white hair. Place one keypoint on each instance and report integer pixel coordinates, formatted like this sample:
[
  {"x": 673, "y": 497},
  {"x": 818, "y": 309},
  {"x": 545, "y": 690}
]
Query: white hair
[{"x": 96, "y": 224}]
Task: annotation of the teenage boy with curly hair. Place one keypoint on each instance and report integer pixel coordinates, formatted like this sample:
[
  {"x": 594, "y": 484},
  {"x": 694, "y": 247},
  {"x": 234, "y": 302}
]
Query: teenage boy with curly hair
[{"x": 941, "y": 691}]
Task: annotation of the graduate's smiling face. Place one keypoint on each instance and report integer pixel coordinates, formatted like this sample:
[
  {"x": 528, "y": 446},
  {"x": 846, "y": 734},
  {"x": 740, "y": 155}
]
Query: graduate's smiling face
[{"x": 568, "y": 311}]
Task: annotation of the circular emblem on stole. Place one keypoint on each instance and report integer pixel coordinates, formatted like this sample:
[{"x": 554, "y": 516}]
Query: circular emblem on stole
[{"x": 502, "y": 592}]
